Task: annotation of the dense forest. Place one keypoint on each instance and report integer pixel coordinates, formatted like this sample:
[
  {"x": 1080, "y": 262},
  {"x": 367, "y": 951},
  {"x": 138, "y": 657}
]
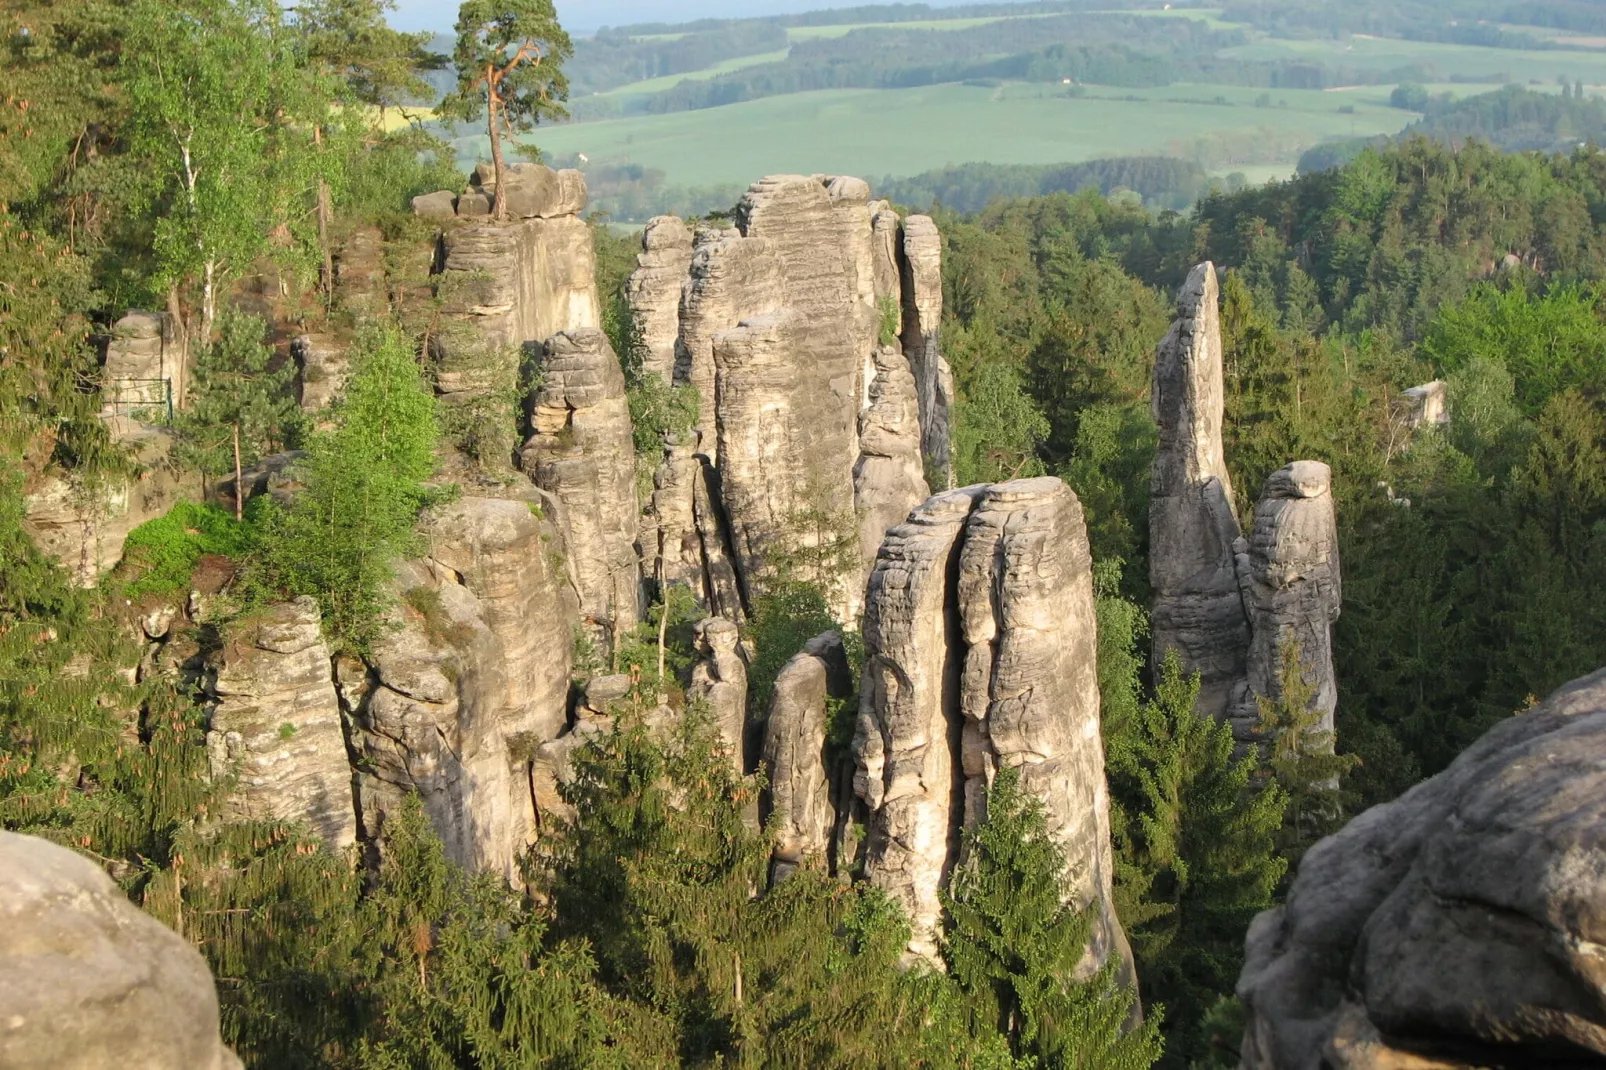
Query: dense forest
[{"x": 205, "y": 157}]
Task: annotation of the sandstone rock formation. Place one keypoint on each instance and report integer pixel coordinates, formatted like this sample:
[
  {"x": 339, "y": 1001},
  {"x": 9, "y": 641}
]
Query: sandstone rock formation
[
  {"x": 778, "y": 327},
  {"x": 522, "y": 280},
  {"x": 1457, "y": 926},
  {"x": 324, "y": 369},
  {"x": 1198, "y": 609},
  {"x": 979, "y": 654},
  {"x": 146, "y": 370},
  {"x": 275, "y": 726},
  {"x": 88, "y": 981},
  {"x": 720, "y": 679},
  {"x": 455, "y": 703},
  {"x": 1292, "y": 591},
  {"x": 793, "y": 751},
  {"x": 654, "y": 292},
  {"x": 442, "y": 204},
  {"x": 84, "y": 529},
  {"x": 889, "y": 477},
  {"x": 921, "y": 269},
  {"x": 1427, "y": 404},
  {"x": 582, "y": 453}
]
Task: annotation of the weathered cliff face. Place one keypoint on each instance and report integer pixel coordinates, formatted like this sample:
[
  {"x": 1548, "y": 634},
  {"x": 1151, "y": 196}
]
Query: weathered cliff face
[
  {"x": 654, "y": 292},
  {"x": 455, "y": 703},
  {"x": 1292, "y": 591},
  {"x": 83, "y": 529},
  {"x": 146, "y": 367},
  {"x": 520, "y": 281},
  {"x": 1456, "y": 926},
  {"x": 889, "y": 477},
  {"x": 979, "y": 654},
  {"x": 793, "y": 751},
  {"x": 920, "y": 266},
  {"x": 778, "y": 328},
  {"x": 1198, "y": 609},
  {"x": 582, "y": 453},
  {"x": 275, "y": 726},
  {"x": 324, "y": 369},
  {"x": 88, "y": 980}
]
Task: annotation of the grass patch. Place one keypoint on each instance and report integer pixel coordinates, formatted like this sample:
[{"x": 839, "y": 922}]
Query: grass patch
[{"x": 160, "y": 555}]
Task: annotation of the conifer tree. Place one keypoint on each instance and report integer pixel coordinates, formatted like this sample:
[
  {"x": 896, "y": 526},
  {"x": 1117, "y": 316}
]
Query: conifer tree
[
  {"x": 1202, "y": 832},
  {"x": 1014, "y": 946},
  {"x": 1300, "y": 756},
  {"x": 509, "y": 59}
]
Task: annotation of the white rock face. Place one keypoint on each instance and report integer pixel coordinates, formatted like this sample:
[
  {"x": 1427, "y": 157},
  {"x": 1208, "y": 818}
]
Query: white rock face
[
  {"x": 582, "y": 454},
  {"x": 921, "y": 268},
  {"x": 275, "y": 726},
  {"x": 980, "y": 648},
  {"x": 1457, "y": 926},
  {"x": 146, "y": 367},
  {"x": 1193, "y": 523},
  {"x": 889, "y": 478},
  {"x": 88, "y": 981},
  {"x": 515, "y": 283},
  {"x": 720, "y": 679}
]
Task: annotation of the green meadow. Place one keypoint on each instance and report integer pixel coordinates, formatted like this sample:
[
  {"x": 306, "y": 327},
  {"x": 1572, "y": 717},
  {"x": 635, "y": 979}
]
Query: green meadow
[{"x": 905, "y": 131}]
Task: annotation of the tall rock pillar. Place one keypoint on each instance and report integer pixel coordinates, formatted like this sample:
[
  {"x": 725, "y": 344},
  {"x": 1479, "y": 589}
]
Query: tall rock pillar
[
  {"x": 1292, "y": 591},
  {"x": 980, "y": 654},
  {"x": 1198, "y": 609}
]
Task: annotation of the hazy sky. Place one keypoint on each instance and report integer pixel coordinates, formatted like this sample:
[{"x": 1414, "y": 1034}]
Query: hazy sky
[{"x": 583, "y": 16}]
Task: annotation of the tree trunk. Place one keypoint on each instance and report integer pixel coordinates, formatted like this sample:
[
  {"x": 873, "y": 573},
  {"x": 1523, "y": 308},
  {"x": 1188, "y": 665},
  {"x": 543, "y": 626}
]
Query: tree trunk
[
  {"x": 208, "y": 302},
  {"x": 239, "y": 482},
  {"x": 498, "y": 201},
  {"x": 324, "y": 213}
]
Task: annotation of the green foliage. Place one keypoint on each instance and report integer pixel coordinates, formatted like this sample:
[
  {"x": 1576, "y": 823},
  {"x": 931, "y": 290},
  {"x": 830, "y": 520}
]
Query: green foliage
[
  {"x": 784, "y": 619},
  {"x": 1013, "y": 946},
  {"x": 508, "y": 59},
  {"x": 160, "y": 555},
  {"x": 1197, "y": 839},
  {"x": 363, "y": 489},
  {"x": 997, "y": 428},
  {"x": 1299, "y": 756},
  {"x": 381, "y": 67},
  {"x": 1548, "y": 343},
  {"x": 480, "y": 417},
  {"x": 234, "y": 384},
  {"x": 890, "y": 321},
  {"x": 658, "y": 411}
]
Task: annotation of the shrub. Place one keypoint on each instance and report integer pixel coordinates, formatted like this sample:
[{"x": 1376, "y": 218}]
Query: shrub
[{"x": 160, "y": 554}]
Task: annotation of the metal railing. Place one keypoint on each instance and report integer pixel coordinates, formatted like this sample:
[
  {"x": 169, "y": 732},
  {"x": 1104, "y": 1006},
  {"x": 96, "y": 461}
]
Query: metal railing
[{"x": 147, "y": 400}]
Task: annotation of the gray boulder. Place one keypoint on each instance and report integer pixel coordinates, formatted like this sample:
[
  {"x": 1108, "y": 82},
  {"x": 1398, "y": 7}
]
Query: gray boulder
[
  {"x": 1457, "y": 926},
  {"x": 440, "y": 205},
  {"x": 88, "y": 981}
]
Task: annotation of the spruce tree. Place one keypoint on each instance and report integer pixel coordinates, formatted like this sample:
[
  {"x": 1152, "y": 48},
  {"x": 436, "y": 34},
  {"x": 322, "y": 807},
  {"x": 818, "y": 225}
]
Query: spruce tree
[
  {"x": 1201, "y": 830},
  {"x": 1300, "y": 757},
  {"x": 1014, "y": 945}
]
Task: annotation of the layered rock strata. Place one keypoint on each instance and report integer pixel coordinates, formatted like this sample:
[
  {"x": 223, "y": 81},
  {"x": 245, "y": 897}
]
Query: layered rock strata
[
  {"x": 455, "y": 702},
  {"x": 1456, "y": 926},
  {"x": 1198, "y": 608},
  {"x": 275, "y": 728},
  {"x": 654, "y": 292},
  {"x": 979, "y": 654},
  {"x": 889, "y": 476},
  {"x": 582, "y": 453},
  {"x": 519, "y": 281},
  {"x": 778, "y": 328},
  {"x": 793, "y": 752},
  {"x": 88, "y": 980},
  {"x": 1292, "y": 592},
  {"x": 324, "y": 369}
]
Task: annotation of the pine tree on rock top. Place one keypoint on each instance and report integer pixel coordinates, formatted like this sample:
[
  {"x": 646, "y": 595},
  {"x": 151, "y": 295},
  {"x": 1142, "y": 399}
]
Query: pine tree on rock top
[
  {"x": 508, "y": 58},
  {"x": 1014, "y": 944}
]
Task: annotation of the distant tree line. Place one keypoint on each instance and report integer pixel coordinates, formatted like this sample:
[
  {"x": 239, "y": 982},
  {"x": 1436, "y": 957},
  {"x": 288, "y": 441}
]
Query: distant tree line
[
  {"x": 1461, "y": 22},
  {"x": 1161, "y": 182}
]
